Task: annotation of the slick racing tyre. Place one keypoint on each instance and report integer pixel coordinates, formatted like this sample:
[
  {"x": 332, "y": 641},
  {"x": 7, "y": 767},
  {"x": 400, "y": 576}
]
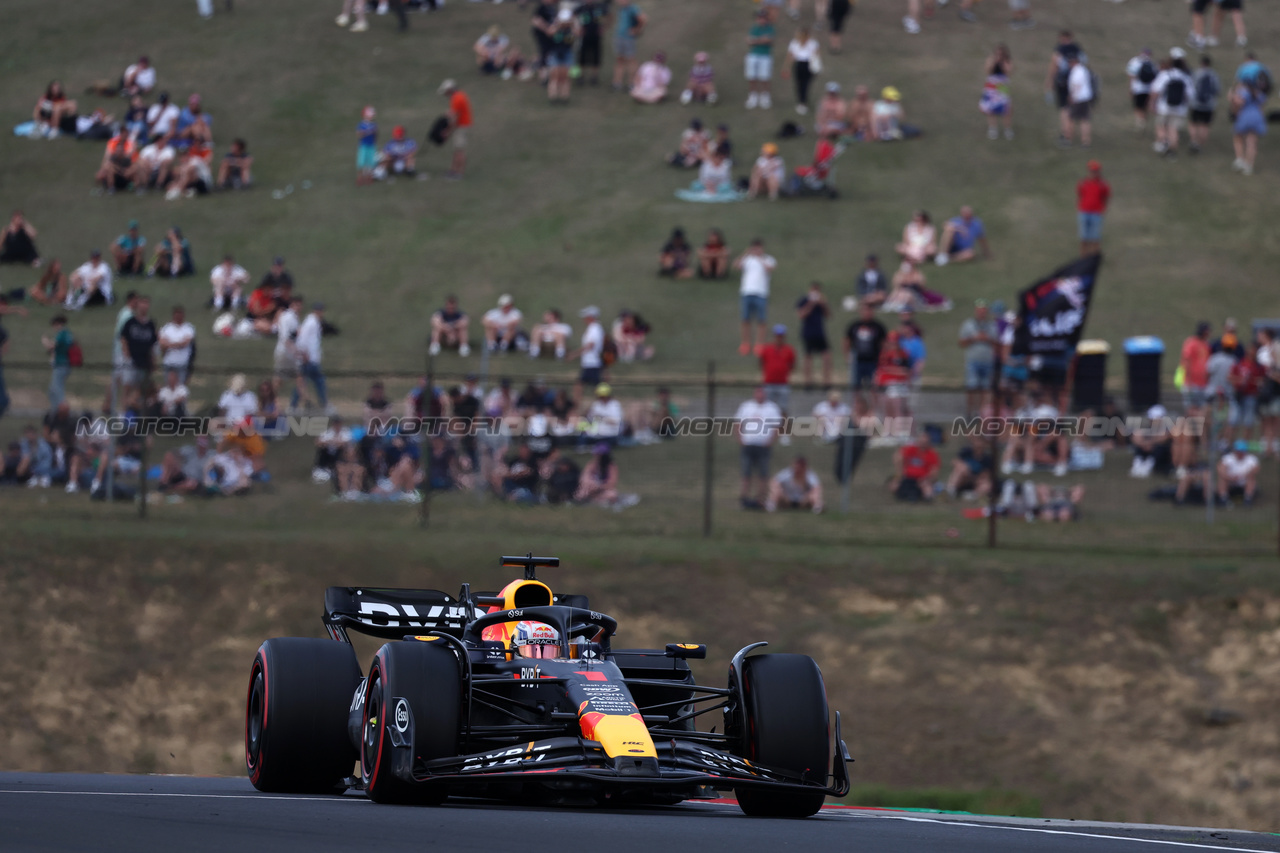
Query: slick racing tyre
[
  {"x": 295, "y": 732},
  {"x": 425, "y": 678},
  {"x": 784, "y": 725}
]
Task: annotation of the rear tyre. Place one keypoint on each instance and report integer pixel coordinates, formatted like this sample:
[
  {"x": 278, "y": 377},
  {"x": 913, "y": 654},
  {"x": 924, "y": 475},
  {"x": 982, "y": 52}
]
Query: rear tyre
[
  {"x": 427, "y": 677},
  {"x": 300, "y": 691},
  {"x": 784, "y": 725}
]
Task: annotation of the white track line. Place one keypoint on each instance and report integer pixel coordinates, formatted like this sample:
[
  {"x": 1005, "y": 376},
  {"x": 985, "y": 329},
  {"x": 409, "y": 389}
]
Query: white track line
[{"x": 314, "y": 799}]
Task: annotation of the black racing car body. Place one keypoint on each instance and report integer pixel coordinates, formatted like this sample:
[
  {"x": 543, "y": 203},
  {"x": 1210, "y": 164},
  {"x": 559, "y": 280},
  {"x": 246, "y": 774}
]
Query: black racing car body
[{"x": 445, "y": 709}]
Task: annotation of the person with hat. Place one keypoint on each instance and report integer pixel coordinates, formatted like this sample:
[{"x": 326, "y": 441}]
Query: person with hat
[
  {"x": 459, "y": 126},
  {"x": 560, "y": 32},
  {"x": 767, "y": 172},
  {"x": 400, "y": 154},
  {"x": 590, "y": 351},
  {"x": 649, "y": 86},
  {"x": 1092, "y": 196},
  {"x": 604, "y": 416},
  {"x": 887, "y": 115},
  {"x": 701, "y": 87},
  {"x": 1172, "y": 89},
  {"x": 1237, "y": 475},
  {"x": 805, "y": 54},
  {"x": 777, "y": 360},
  {"x": 502, "y": 324},
  {"x": 1229, "y": 342},
  {"x": 128, "y": 251},
  {"x": 1142, "y": 72},
  {"x": 759, "y": 62},
  {"x": 90, "y": 284},
  {"x": 309, "y": 352}
]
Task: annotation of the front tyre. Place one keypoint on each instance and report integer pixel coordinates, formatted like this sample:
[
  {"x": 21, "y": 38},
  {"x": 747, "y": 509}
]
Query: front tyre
[
  {"x": 295, "y": 735},
  {"x": 784, "y": 725}
]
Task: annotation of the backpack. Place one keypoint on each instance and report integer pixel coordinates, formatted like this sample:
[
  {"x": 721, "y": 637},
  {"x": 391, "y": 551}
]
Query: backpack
[
  {"x": 75, "y": 355},
  {"x": 1262, "y": 82},
  {"x": 1206, "y": 88},
  {"x": 1093, "y": 84},
  {"x": 1147, "y": 72},
  {"x": 609, "y": 353},
  {"x": 1175, "y": 92}
]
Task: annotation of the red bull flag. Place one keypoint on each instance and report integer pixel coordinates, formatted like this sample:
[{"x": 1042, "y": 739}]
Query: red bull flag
[{"x": 1053, "y": 311}]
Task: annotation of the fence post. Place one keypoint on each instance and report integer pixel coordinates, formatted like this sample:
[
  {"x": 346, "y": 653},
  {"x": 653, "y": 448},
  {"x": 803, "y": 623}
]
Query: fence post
[
  {"x": 108, "y": 476},
  {"x": 1211, "y": 469},
  {"x": 709, "y": 473},
  {"x": 424, "y": 508},
  {"x": 142, "y": 479},
  {"x": 997, "y": 409}
]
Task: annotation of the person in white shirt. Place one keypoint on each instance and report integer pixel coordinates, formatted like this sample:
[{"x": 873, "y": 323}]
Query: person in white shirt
[
  {"x": 162, "y": 116},
  {"x": 173, "y": 396},
  {"x": 238, "y": 402},
  {"x": 1142, "y": 73},
  {"x": 154, "y": 164},
  {"x": 832, "y": 414},
  {"x": 806, "y": 60},
  {"x": 176, "y": 339},
  {"x": 285, "y": 359},
  {"x": 756, "y": 269},
  {"x": 757, "y": 424},
  {"x": 228, "y": 280},
  {"x": 501, "y": 324},
  {"x": 1079, "y": 101},
  {"x": 1172, "y": 89},
  {"x": 139, "y": 78},
  {"x": 309, "y": 352},
  {"x": 767, "y": 173},
  {"x": 552, "y": 330},
  {"x": 1238, "y": 474},
  {"x": 605, "y": 414},
  {"x": 591, "y": 351},
  {"x": 90, "y": 283},
  {"x": 795, "y": 487}
]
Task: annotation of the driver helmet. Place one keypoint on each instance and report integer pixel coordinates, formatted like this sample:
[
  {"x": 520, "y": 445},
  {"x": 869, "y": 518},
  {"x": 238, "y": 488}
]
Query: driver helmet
[{"x": 536, "y": 640}]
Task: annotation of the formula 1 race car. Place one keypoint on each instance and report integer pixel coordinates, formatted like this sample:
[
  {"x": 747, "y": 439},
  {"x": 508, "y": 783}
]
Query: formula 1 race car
[{"x": 519, "y": 695}]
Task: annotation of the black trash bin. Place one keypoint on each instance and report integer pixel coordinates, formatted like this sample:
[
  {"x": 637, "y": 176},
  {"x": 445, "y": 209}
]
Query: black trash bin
[
  {"x": 1090, "y": 386},
  {"x": 1143, "y": 354}
]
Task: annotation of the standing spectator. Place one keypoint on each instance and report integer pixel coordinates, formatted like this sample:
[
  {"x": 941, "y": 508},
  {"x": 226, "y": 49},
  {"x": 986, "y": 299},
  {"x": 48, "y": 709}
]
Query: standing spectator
[
  {"x": 912, "y": 341},
  {"x": 871, "y": 287},
  {"x": 1194, "y": 366},
  {"x": 591, "y": 16},
  {"x": 561, "y": 33},
  {"x": 357, "y": 9},
  {"x": 459, "y": 127},
  {"x": 911, "y": 21},
  {"x": 228, "y": 280},
  {"x": 18, "y": 242},
  {"x": 119, "y": 360},
  {"x": 1205, "y": 89},
  {"x": 1172, "y": 88},
  {"x": 1246, "y": 101},
  {"x": 651, "y": 80},
  {"x": 1196, "y": 38},
  {"x": 959, "y": 236},
  {"x": 138, "y": 343},
  {"x": 756, "y": 267},
  {"x": 978, "y": 337},
  {"x": 813, "y": 311},
  {"x": 1236, "y": 8},
  {"x": 367, "y": 146},
  {"x": 863, "y": 342},
  {"x": 893, "y": 376},
  {"x": 59, "y": 348},
  {"x": 758, "y": 422},
  {"x": 701, "y": 87},
  {"x": 129, "y": 251},
  {"x": 4, "y": 350},
  {"x": 1092, "y": 195},
  {"x": 1056, "y": 82},
  {"x": 90, "y": 284},
  {"x": 544, "y": 15},
  {"x": 450, "y": 327},
  {"x": 1238, "y": 475},
  {"x": 795, "y": 487},
  {"x": 1269, "y": 390},
  {"x": 1079, "y": 103},
  {"x": 177, "y": 344},
  {"x": 996, "y": 102},
  {"x": 759, "y": 62},
  {"x": 1246, "y": 380},
  {"x": 591, "y": 351},
  {"x": 713, "y": 257},
  {"x": 310, "y": 354},
  {"x": 837, "y": 11},
  {"x": 833, "y": 416},
  {"x": 1142, "y": 72},
  {"x": 502, "y": 325},
  {"x": 777, "y": 360},
  {"x": 285, "y": 356},
  {"x": 627, "y": 28},
  {"x": 804, "y": 54}
]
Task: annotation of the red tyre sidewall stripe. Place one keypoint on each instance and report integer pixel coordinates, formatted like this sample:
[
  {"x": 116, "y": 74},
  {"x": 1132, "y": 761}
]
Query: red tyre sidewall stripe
[
  {"x": 382, "y": 716},
  {"x": 256, "y": 767}
]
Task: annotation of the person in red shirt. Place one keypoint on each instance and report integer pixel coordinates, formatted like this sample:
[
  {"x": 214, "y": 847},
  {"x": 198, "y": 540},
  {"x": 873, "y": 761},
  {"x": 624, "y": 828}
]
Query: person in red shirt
[
  {"x": 1092, "y": 195},
  {"x": 893, "y": 376},
  {"x": 777, "y": 360},
  {"x": 459, "y": 124},
  {"x": 1194, "y": 364},
  {"x": 916, "y": 468},
  {"x": 1246, "y": 379}
]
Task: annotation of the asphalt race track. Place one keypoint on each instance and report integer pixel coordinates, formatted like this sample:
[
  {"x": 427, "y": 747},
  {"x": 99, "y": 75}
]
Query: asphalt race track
[{"x": 63, "y": 812}]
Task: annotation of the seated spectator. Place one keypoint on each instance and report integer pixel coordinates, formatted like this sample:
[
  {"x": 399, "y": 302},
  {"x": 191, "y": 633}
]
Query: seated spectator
[
  {"x": 276, "y": 277},
  {"x": 90, "y": 284},
  {"x": 97, "y": 125},
  {"x": 649, "y": 86},
  {"x": 502, "y": 325},
  {"x": 18, "y": 242},
  {"x": 833, "y": 415},
  {"x": 662, "y": 414},
  {"x": 12, "y": 460},
  {"x": 1152, "y": 445},
  {"x": 262, "y": 308},
  {"x": 116, "y": 169},
  {"x": 674, "y": 260},
  {"x": 795, "y": 487},
  {"x": 268, "y": 405},
  {"x": 162, "y": 117},
  {"x": 154, "y": 166},
  {"x": 629, "y": 332},
  {"x": 552, "y": 332},
  {"x": 173, "y": 256},
  {"x": 919, "y": 239},
  {"x": 701, "y": 87},
  {"x": 450, "y": 327},
  {"x": 1238, "y": 475},
  {"x": 228, "y": 280},
  {"x": 51, "y": 289},
  {"x": 767, "y": 172},
  {"x": 399, "y": 155},
  {"x": 491, "y": 51},
  {"x": 959, "y": 237},
  {"x": 1036, "y": 440},
  {"x": 832, "y": 116},
  {"x": 561, "y": 475},
  {"x": 236, "y": 169},
  {"x": 190, "y": 174},
  {"x": 693, "y": 145},
  {"x": 441, "y": 461},
  {"x": 872, "y": 288},
  {"x": 182, "y": 470},
  {"x": 972, "y": 469},
  {"x": 909, "y": 292},
  {"x": 55, "y": 113},
  {"x": 377, "y": 404},
  {"x": 887, "y": 116},
  {"x": 598, "y": 483},
  {"x": 228, "y": 472},
  {"x": 535, "y": 397},
  {"x": 861, "y": 112},
  {"x": 604, "y": 416},
  {"x": 173, "y": 395},
  {"x": 517, "y": 478},
  {"x": 128, "y": 249},
  {"x": 139, "y": 78},
  {"x": 329, "y": 448},
  {"x": 135, "y": 120},
  {"x": 715, "y": 174},
  {"x": 720, "y": 140},
  {"x": 713, "y": 256},
  {"x": 916, "y": 468},
  {"x": 562, "y": 413},
  {"x": 35, "y": 467},
  {"x": 194, "y": 128},
  {"x": 1038, "y": 500}
]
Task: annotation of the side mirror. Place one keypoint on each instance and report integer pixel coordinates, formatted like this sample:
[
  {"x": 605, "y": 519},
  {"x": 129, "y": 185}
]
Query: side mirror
[{"x": 687, "y": 651}]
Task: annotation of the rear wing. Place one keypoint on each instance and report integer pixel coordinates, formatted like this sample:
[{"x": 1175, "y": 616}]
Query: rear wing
[{"x": 391, "y": 614}]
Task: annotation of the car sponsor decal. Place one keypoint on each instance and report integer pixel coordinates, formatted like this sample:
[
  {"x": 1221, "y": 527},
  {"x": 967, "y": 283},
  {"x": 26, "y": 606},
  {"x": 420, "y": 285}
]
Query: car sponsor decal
[{"x": 401, "y": 718}]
